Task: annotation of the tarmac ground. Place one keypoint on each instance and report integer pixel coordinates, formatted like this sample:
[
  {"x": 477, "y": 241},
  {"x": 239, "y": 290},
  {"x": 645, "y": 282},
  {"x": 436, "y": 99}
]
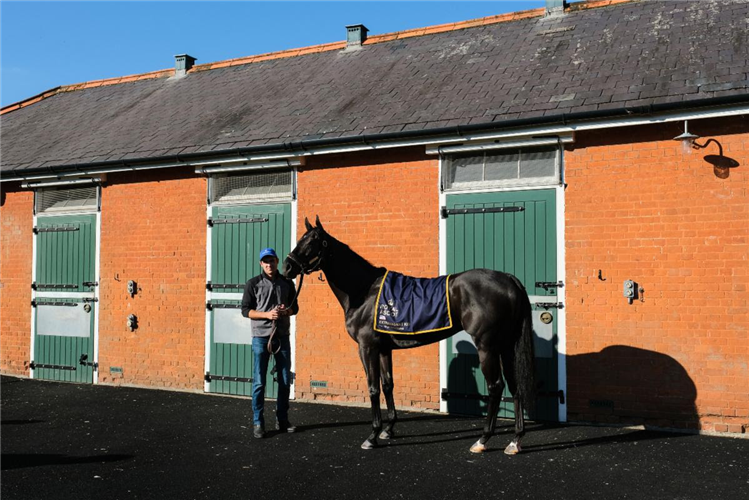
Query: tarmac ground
[{"x": 62, "y": 440}]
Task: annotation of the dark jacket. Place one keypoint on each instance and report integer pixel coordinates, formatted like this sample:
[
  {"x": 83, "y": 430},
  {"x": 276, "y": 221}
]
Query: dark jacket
[{"x": 263, "y": 294}]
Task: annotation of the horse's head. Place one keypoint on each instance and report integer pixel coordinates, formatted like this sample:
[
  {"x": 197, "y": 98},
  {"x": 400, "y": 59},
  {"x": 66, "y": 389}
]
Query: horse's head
[{"x": 310, "y": 251}]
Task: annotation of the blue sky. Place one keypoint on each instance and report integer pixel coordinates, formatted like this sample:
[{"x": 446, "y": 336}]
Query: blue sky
[{"x": 47, "y": 44}]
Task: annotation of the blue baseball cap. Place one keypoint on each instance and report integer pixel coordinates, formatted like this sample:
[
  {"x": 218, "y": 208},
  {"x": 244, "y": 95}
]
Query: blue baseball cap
[{"x": 265, "y": 252}]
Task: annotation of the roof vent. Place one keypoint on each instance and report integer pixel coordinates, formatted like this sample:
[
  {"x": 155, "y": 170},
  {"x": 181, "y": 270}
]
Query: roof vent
[
  {"x": 356, "y": 34},
  {"x": 555, "y": 7},
  {"x": 183, "y": 63}
]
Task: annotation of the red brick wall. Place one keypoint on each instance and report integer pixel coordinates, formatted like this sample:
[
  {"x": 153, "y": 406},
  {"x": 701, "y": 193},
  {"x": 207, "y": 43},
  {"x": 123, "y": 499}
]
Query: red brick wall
[
  {"x": 385, "y": 207},
  {"x": 16, "y": 244},
  {"x": 153, "y": 231},
  {"x": 638, "y": 208}
]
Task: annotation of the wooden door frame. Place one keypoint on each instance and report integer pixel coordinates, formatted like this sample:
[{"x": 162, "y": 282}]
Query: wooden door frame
[
  {"x": 560, "y": 314},
  {"x": 97, "y": 279},
  {"x": 208, "y": 277}
]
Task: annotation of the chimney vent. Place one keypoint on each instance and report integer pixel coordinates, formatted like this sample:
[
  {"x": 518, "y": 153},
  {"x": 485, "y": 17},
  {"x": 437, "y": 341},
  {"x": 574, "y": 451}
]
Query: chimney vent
[
  {"x": 183, "y": 63},
  {"x": 356, "y": 34},
  {"x": 555, "y": 7}
]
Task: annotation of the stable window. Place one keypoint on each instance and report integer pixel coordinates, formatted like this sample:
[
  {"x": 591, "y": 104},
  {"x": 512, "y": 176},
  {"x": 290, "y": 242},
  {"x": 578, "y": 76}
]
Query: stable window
[
  {"x": 502, "y": 168},
  {"x": 251, "y": 187},
  {"x": 58, "y": 199}
]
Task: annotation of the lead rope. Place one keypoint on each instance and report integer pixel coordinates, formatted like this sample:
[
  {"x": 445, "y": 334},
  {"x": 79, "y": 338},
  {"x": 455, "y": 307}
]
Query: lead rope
[{"x": 274, "y": 328}]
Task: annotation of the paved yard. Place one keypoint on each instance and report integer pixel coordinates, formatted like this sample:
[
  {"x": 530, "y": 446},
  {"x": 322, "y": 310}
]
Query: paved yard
[{"x": 81, "y": 441}]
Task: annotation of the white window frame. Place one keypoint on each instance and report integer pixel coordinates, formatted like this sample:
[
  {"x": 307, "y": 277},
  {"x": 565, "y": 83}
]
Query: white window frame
[
  {"x": 457, "y": 187},
  {"x": 281, "y": 198}
]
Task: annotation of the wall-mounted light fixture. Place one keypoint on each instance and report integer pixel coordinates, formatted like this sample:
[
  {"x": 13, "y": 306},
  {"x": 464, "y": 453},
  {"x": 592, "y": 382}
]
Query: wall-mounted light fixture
[
  {"x": 721, "y": 164},
  {"x": 687, "y": 139}
]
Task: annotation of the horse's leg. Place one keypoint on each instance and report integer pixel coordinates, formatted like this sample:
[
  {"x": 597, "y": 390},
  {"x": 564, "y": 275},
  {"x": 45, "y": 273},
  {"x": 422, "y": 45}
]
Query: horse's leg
[
  {"x": 371, "y": 362},
  {"x": 386, "y": 372},
  {"x": 508, "y": 363},
  {"x": 492, "y": 370}
]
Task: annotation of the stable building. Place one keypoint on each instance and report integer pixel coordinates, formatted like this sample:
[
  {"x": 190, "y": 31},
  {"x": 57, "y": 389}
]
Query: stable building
[{"x": 540, "y": 143}]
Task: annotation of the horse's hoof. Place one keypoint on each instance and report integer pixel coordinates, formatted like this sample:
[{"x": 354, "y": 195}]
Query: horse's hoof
[
  {"x": 368, "y": 445},
  {"x": 478, "y": 447},
  {"x": 386, "y": 435},
  {"x": 513, "y": 448}
]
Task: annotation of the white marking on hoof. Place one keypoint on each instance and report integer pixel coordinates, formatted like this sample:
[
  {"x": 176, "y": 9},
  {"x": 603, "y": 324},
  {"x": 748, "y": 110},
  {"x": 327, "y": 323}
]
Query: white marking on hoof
[
  {"x": 367, "y": 445},
  {"x": 385, "y": 435},
  {"x": 478, "y": 447},
  {"x": 513, "y": 448}
]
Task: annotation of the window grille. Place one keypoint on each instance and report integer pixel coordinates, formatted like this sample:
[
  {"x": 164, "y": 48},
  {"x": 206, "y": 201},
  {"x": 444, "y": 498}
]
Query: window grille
[
  {"x": 505, "y": 168},
  {"x": 254, "y": 187},
  {"x": 53, "y": 200}
]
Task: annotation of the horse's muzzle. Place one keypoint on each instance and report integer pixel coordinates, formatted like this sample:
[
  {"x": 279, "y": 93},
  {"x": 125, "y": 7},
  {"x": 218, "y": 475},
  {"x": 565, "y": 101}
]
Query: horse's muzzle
[{"x": 290, "y": 269}]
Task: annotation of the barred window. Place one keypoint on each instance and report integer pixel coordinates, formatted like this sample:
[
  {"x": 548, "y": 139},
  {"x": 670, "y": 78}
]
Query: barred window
[
  {"x": 251, "y": 187},
  {"x": 61, "y": 199},
  {"x": 496, "y": 168}
]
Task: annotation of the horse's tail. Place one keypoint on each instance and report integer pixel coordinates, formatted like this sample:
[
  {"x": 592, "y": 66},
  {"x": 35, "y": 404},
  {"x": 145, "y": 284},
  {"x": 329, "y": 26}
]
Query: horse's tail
[{"x": 525, "y": 356}]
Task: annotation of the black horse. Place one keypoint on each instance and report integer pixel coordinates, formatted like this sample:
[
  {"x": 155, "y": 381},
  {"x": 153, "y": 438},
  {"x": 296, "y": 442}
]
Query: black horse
[{"x": 493, "y": 307}]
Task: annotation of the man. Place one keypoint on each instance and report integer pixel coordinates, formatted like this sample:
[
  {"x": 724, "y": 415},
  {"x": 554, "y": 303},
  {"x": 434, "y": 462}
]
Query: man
[{"x": 267, "y": 302}]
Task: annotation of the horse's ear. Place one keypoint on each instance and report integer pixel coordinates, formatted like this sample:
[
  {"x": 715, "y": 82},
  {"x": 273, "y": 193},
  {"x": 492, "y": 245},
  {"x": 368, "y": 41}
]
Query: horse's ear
[
  {"x": 307, "y": 224},
  {"x": 318, "y": 223}
]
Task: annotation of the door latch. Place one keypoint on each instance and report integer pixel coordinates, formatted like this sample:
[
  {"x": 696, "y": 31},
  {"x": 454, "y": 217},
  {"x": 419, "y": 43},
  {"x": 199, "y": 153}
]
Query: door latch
[
  {"x": 83, "y": 361},
  {"x": 549, "y": 284}
]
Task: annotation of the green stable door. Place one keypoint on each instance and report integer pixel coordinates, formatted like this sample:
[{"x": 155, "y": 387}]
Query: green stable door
[
  {"x": 238, "y": 233},
  {"x": 64, "y": 306},
  {"x": 522, "y": 242}
]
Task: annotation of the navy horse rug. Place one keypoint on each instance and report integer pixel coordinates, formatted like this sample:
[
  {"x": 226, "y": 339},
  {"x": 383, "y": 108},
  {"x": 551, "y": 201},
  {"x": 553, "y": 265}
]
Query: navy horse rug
[{"x": 410, "y": 306}]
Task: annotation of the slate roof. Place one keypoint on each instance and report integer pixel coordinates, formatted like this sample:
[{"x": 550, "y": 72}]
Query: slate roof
[{"x": 527, "y": 66}]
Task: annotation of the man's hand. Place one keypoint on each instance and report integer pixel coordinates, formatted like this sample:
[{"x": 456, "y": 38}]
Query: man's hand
[{"x": 277, "y": 312}]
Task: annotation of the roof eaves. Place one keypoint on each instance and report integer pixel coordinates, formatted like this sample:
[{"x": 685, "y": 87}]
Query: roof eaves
[{"x": 401, "y": 132}]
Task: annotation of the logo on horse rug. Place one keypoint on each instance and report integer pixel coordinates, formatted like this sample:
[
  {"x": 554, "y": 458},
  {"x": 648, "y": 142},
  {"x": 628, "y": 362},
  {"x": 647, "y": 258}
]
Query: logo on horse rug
[{"x": 407, "y": 305}]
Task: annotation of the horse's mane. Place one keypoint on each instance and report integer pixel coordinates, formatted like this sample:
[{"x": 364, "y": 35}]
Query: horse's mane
[
  {"x": 356, "y": 259},
  {"x": 350, "y": 273}
]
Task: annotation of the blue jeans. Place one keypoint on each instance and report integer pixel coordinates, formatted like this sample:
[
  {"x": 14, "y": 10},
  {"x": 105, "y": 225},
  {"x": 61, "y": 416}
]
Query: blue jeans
[{"x": 261, "y": 356}]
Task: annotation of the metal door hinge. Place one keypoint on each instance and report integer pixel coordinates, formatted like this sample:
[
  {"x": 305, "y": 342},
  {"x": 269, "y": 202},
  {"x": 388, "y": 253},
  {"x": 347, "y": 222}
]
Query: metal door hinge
[
  {"x": 208, "y": 377},
  {"x": 553, "y": 394},
  {"x": 549, "y": 284},
  {"x": 210, "y": 286},
  {"x": 35, "y": 286},
  {"x": 550, "y": 305},
  {"x": 212, "y": 221},
  {"x": 38, "y": 230},
  {"x": 34, "y": 303},
  {"x": 33, "y": 365},
  {"x": 445, "y": 212},
  {"x": 463, "y": 395},
  {"x": 211, "y": 306}
]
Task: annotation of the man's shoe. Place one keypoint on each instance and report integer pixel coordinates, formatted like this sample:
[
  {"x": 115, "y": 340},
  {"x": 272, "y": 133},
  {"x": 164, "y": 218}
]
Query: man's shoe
[
  {"x": 258, "y": 431},
  {"x": 285, "y": 426}
]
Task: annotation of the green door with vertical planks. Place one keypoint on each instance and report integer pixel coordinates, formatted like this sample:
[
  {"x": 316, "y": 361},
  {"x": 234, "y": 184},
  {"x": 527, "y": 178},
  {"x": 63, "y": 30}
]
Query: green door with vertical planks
[
  {"x": 63, "y": 317},
  {"x": 238, "y": 233},
  {"x": 522, "y": 243}
]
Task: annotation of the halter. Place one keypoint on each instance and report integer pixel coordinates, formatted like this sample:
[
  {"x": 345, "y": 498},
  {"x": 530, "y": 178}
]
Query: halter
[{"x": 315, "y": 263}]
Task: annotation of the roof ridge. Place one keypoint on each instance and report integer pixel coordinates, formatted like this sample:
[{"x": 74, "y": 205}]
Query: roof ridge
[{"x": 313, "y": 49}]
